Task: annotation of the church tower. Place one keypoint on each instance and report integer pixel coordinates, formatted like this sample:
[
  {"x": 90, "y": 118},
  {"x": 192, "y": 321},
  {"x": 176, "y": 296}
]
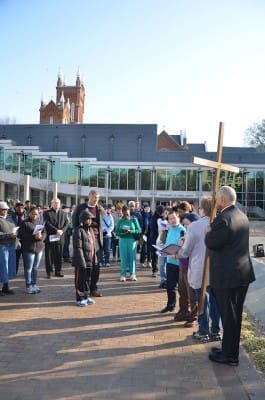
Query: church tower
[{"x": 69, "y": 105}]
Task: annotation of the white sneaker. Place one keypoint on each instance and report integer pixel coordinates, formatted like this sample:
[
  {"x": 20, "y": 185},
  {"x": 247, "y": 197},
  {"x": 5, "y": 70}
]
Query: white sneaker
[
  {"x": 36, "y": 288},
  {"x": 81, "y": 303},
  {"x": 29, "y": 290},
  {"x": 144, "y": 265},
  {"x": 149, "y": 264},
  {"x": 123, "y": 279},
  {"x": 89, "y": 301},
  {"x": 133, "y": 278}
]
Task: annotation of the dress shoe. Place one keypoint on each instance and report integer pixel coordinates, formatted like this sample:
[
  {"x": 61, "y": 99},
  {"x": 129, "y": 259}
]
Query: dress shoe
[
  {"x": 7, "y": 291},
  {"x": 222, "y": 359},
  {"x": 216, "y": 350},
  {"x": 59, "y": 275},
  {"x": 181, "y": 317},
  {"x": 95, "y": 293},
  {"x": 167, "y": 309}
]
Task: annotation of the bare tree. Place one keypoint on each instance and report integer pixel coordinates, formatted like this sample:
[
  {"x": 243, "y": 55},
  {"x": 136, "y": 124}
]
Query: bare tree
[
  {"x": 7, "y": 120},
  {"x": 255, "y": 135}
]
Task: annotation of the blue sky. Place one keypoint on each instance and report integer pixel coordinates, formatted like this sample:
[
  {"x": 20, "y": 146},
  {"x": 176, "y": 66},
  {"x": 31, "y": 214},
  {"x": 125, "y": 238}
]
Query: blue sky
[{"x": 183, "y": 64}]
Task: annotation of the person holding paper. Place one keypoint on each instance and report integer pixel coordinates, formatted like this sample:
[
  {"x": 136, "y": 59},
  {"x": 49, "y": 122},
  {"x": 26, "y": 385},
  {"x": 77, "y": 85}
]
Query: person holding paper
[
  {"x": 55, "y": 224},
  {"x": 7, "y": 250},
  {"x": 172, "y": 268},
  {"x": 31, "y": 236}
]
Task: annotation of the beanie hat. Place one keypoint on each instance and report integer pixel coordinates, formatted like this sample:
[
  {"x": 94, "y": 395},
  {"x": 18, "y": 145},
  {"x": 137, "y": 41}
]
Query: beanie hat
[
  {"x": 85, "y": 215},
  {"x": 191, "y": 216},
  {"x": 160, "y": 209}
]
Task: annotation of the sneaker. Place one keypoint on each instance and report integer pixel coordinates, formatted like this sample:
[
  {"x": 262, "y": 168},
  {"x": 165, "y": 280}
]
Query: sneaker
[
  {"x": 89, "y": 301},
  {"x": 154, "y": 275},
  {"x": 122, "y": 279},
  {"x": 149, "y": 264},
  {"x": 107, "y": 265},
  {"x": 143, "y": 265},
  {"x": 215, "y": 337},
  {"x": 81, "y": 303},
  {"x": 201, "y": 337},
  {"x": 29, "y": 290},
  {"x": 133, "y": 278},
  {"x": 36, "y": 288}
]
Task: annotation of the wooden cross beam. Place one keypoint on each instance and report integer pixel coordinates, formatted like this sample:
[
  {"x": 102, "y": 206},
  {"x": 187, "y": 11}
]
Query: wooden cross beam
[{"x": 218, "y": 166}]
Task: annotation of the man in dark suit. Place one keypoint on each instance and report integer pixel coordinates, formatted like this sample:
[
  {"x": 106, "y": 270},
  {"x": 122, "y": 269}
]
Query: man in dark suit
[
  {"x": 231, "y": 271},
  {"x": 55, "y": 221}
]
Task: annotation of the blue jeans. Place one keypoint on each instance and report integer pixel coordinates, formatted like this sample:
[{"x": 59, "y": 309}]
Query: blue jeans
[
  {"x": 210, "y": 311},
  {"x": 106, "y": 249},
  {"x": 31, "y": 265},
  {"x": 162, "y": 268},
  {"x": 172, "y": 280}
]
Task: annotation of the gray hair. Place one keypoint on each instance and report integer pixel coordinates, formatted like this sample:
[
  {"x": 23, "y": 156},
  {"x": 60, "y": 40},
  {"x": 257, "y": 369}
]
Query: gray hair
[{"x": 228, "y": 193}]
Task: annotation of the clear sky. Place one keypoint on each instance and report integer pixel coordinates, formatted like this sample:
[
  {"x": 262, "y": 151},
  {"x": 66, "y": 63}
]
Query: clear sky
[{"x": 182, "y": 64}]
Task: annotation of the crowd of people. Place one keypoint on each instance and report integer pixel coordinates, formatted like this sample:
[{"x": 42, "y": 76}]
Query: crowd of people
[{"x": 99, "y": 231}]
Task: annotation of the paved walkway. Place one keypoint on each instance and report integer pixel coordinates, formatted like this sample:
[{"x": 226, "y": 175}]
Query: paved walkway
[{"x": 120, "y": 348}]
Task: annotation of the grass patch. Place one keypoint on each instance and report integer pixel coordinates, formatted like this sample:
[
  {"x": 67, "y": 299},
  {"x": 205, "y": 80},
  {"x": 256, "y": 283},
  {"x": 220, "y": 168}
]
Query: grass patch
[{"x": 254, "y": 342}]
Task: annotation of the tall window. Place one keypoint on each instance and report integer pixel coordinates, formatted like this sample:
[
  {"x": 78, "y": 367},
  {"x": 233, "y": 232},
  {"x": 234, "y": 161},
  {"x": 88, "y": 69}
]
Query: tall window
[{"x": 51, "y": 120}]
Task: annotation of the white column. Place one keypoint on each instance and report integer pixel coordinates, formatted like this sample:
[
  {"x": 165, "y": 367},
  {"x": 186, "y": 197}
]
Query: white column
[
  {"x": 55, "y": 190},
  {"x": 2, "y": 191},
  {"x": 26, "y": 187}
]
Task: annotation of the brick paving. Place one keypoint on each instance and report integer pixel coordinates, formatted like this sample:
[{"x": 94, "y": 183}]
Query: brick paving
[{"x": 120, "y": 348}]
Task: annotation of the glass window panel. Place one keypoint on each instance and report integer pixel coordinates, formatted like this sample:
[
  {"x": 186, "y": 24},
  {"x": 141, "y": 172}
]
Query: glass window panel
[
  {"x": 115, "y": 179},
  {"x": 180, "y": 179},
  {"x": 28, "y": 164},
  {"x": 36, "y": 168},
  {"x": 2, "y": 159},
  {"x": 131, "y": 179},
  {"x": 123, "y": 179},
  {"x": 222, "y": 179},
  {"x": 251, "y": 181},
  {"x": 207, "y": 180},
  {"x": 8, "y": 161},
  {"x": 70, "y": 174},
  {"x": 259, "y": 181},
  {"x": 146, "y": 179},
  {"x": 161, "y": 178},
  {"x": 43, "y": 169},
  {"x": 93, "y": 177},
  {"x": 191, "y": 179},
  {"x": 101, "y": 177},
  {"x": 85, "y": 175}
]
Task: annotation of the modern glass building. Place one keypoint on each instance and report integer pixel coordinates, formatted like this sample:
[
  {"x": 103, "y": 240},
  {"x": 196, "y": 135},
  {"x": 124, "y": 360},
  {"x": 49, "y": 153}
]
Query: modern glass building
[{"x": 152, "y": 181}]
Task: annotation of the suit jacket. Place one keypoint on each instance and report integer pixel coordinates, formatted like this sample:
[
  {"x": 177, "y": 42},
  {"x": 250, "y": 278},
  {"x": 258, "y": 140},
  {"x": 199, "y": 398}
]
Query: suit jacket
[
  {"x": 53, "y": 221},
  {"x": 228, "y": 241}
]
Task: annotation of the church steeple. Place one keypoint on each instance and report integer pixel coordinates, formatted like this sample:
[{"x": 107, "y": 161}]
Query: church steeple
[
  {"x": 78, "y": 80},
  {"x": 60, "y": 78}
]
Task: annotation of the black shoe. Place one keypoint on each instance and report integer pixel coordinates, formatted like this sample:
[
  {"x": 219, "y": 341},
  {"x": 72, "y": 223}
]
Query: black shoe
[
  {"x": 216, "y": 350},
  {"x": 48, "y": 276},
  {"x": 7, "y": 291},
  {"x": 222, "y": 359},
  {"x": 181, "y": 317},
  {"x": 163, "y": 285},
  {"x": 68, "y": 260},
  {"x": 167, "y": 309},
  {"x": 59, "y": 275}
]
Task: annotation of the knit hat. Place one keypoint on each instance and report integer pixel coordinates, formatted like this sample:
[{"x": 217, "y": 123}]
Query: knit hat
[
  {"x": 191, "y": 216},
  {"x": 3, "y": 205},
  {"x": 160, "y": 209},
  {"x": 85, "y": 215}
]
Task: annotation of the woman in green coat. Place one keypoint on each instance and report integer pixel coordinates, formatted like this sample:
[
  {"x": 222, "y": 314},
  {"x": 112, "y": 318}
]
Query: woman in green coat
[{"x": 128, "y": 230}]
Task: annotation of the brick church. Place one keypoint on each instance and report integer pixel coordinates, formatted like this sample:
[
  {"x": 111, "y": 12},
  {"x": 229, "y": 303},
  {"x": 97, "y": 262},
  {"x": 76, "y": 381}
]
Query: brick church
[{"x": 69, "y": 105}]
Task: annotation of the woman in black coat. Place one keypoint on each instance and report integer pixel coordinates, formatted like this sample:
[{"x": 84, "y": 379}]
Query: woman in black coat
[
  {"x": 83, "y": 257},
  {"x": 30, "y": 234}
]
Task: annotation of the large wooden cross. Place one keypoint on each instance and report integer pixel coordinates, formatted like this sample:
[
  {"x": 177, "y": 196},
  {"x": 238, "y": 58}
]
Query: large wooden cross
[{"x": 218, "y": 166}]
